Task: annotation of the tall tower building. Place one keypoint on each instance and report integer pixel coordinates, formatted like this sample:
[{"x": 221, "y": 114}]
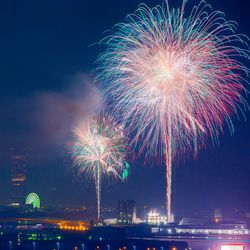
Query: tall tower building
[
  {"x": 18, "y": 180},
  {"x": 126, "y": 213}
]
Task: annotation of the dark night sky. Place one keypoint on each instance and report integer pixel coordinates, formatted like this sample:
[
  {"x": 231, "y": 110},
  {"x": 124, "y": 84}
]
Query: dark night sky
[{"x": 45, "y": 65}]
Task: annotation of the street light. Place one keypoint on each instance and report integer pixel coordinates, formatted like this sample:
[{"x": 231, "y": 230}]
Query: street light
[{"x": 10, "y": 244}]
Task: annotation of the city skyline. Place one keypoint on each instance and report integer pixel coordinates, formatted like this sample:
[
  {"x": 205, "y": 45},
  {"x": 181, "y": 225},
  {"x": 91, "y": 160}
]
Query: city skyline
[{"x": 55, "y": 74}]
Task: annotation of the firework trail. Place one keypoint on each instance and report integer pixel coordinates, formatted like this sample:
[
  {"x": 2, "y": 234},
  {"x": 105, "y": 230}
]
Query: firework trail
[
  {"x": 174, "y": 79},
  {"x": 99, "y": 151}
]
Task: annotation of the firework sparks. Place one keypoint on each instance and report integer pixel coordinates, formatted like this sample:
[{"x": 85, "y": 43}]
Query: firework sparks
[
  {"x": 174, "y": 80},
  {"x": 99, "y": 151}
]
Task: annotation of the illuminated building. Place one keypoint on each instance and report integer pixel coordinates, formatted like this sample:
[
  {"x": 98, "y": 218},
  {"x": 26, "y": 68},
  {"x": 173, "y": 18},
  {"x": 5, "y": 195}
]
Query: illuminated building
[
  {"x": 18, "y": 180},
  {"x": 154, "y": 218},
  {"x": 126, "y": 212}
]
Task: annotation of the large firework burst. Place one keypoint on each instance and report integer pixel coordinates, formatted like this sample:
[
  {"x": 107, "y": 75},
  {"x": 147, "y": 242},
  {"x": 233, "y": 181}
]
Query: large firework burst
[
  {"x": 99, "y": 151},
  {"x": 174, "y": 79}
]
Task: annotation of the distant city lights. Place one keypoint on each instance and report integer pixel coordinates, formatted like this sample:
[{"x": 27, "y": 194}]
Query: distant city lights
[{"x": 73, "y": 226}]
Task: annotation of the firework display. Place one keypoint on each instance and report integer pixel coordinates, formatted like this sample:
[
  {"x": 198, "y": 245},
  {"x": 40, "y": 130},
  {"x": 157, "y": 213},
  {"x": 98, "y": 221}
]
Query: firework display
[
  {"x": 174, "y": 79},
  {"x": 99, "y": 151},
  {"x": 125, "y": 172}
]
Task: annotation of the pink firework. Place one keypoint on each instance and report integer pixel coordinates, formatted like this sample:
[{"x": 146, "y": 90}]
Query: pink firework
[{"x": 174, "y": 79}]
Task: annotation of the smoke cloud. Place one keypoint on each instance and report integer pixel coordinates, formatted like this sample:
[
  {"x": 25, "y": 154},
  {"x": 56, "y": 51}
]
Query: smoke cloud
[{"x": 42, "y": 124}]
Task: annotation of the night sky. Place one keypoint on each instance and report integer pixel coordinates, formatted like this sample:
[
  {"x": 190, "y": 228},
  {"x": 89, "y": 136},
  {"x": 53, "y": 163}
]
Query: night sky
[{"x": 47, "y": 55}]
